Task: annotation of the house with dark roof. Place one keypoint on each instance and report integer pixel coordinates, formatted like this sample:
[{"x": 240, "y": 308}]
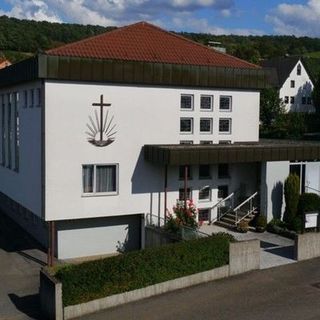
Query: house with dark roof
[
  {"x": 102, "y": 135},
  {"x": 295, "y": 84}
]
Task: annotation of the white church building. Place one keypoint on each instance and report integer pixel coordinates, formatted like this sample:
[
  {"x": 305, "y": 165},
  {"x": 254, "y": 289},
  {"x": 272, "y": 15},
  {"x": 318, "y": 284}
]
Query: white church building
[
  {"x": 99, "y": 133},
  {"x": 295, "y": 84}
]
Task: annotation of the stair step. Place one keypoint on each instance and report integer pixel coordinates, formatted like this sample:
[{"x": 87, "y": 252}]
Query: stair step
[
  {"x": 229, "y": 221},
  {"x": 225, "y": 225}
]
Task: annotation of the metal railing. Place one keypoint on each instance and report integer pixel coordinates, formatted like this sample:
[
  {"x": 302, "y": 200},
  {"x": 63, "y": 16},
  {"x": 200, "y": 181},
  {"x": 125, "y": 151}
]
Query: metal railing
[
  {"x": 222, "y": 204},
  {"x": 184, "y": 232},
  {"x": 248, "y": 206},
  {"x": 312, "y": 189}
]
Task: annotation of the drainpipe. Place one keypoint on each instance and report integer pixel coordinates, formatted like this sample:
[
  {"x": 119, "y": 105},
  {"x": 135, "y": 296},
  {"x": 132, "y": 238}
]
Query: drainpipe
[
  {"x": 165, "y": 192},
  {"x": 185, "y": 185}
]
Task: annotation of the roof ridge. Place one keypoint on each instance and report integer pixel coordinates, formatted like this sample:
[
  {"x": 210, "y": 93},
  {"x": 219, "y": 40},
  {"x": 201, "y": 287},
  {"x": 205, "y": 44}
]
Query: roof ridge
[{"x": 197, "y": 43}]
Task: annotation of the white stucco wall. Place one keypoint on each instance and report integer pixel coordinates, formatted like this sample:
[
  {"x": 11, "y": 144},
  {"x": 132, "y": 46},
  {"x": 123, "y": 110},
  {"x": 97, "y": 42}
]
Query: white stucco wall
[
  {"x": 303, "y": 88},
  {"x": 24, "y": 186},
  {"x": 273, "y": 176},
  {"x": 143, "y": 115}
]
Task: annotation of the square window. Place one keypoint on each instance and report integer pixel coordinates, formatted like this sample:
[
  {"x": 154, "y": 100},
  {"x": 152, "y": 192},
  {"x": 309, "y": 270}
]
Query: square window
[
  {"x": 225, "y": 126},
  {"x": 205, "y": 193},
  {"x": 206, "y": 142},
  {"x": 292, "y": 100},
  {"x": 97, "y": 179},
  {"x": 181, "y": 194},
  {"x": 304, "y": 100},
  {"x": 225, "y": 103},
  {"x": 204, "y": 214},
  {"x": 206, "y": 103},
  {"x": 204, "y": 171},
  {"x": 292, "y": 83},
  {"x": 223, "y": 192},
  {"x": 186, "y": 102},
  {"x": 186, "y": 142},
  {"x": 182, "y": 172},
  {"x": 223, "y": 171},
  {"x": 286, "y": 99},
  {"x": 186, "y": 125},
  {"x": 205, "y": 125}
]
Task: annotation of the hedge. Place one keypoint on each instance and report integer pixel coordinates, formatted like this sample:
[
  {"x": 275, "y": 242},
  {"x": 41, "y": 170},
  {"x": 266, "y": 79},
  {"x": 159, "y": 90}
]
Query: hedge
[{"x": 101, "y": 278}]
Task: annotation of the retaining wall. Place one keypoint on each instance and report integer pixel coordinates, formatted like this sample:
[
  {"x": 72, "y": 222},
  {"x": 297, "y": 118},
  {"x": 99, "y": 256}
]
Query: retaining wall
[{"x": 307, "y": 246}]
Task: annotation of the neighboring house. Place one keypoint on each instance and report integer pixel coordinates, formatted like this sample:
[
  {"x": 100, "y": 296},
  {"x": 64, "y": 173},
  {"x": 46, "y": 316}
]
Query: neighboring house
[
  {"x": 99, "y": 133},
  {"x": 295, "y": 84},
  {"x": 4, "y": 63}
]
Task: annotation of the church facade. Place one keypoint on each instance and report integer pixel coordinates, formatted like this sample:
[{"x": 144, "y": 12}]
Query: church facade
[{"x": 100, "y": 133}]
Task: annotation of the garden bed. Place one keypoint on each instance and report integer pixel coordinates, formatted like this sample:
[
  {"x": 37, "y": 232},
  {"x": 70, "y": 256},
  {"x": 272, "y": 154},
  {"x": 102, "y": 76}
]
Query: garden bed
[{"x": 110, "y": 276}]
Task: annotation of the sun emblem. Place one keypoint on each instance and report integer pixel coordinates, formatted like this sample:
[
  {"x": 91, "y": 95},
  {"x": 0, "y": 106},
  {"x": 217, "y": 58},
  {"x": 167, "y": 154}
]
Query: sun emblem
[{"x": 101, "y": 129}]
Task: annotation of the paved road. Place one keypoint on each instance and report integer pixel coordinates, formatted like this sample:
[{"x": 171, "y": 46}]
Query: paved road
[
  {"x": 287, "y": 292},
  {"x": 20, "y": 261}
]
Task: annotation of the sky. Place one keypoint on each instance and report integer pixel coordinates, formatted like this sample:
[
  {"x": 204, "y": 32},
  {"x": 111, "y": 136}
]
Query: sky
[{"x": 241, "y": 17}]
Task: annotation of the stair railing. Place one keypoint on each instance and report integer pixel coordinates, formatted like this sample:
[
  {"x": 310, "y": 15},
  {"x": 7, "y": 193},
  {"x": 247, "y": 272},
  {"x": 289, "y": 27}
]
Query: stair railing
[
  {"x": 313, "y": 189},
  {"x": 218, "y": 206},
  {"x": 251, "y": 208}
]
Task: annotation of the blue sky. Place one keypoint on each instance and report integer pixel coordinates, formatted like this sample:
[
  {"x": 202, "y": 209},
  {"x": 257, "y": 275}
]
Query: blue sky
[{"x": 293, "y": 17}]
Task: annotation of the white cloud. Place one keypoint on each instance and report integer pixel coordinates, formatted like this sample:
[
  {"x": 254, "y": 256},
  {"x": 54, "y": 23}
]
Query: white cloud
[{"x": 296, "y": 19}]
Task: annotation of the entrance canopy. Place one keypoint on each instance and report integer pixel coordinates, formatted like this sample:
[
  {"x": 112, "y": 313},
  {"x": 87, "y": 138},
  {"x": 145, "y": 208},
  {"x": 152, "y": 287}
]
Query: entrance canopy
[{"x": 264, "y": 150}]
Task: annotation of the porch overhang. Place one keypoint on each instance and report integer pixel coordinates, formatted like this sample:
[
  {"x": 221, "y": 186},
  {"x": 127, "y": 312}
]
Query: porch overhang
[{"x": 264, "y": 150}]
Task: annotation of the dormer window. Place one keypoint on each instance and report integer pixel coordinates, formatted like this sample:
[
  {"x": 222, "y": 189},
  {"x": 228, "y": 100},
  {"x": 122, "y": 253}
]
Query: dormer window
[{"x": 299, "y": 70}]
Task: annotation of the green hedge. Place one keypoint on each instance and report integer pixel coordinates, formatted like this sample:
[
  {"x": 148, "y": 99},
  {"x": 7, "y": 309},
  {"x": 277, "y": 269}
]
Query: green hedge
[{"x": 101, "y": 278}]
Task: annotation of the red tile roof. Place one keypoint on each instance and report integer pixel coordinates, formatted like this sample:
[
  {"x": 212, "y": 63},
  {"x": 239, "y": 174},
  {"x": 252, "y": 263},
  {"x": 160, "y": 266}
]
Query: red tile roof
[{"x": 145, "y": 42}]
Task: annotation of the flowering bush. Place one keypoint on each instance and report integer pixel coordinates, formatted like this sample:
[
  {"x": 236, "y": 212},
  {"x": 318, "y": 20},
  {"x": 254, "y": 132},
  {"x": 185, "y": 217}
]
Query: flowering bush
[{"x": 182, "y": 216}]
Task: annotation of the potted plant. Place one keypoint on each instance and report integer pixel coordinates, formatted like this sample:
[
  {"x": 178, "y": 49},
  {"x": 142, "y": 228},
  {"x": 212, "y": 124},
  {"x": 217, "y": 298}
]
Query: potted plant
[
  {"x": 261, "y": 223},
  {"x": 243, "y": 226}
]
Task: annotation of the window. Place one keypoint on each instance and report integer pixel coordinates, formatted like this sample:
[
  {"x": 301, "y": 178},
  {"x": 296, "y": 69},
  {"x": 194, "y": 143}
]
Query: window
[
  {"x": 204, "y": 214},
  {"x": 205, "y": 193},
  {"x": 292, "y": 83},
  {"x": 204, "y": 171},
  {"x": 225, "y": 103},
  {"x": 304, "y": 100},
  {"x": 99, "y": 179},
  {"x": 292, "y": 100},
  {"x": 223, "y": 192},
  {"x": 286, "y": 99},
  {"x": 25, "y": 99},
  {"x": 309, "y": 100},
  {"x": 205, "y": 125},
  {"x": 224, "y": 141},
  {"x": 186, "y": 102},
  {"x": 299, "y": 70},
  {"x": 223, "y": 171},
  {"x": 225, "y": 126},
  {"x": 206, "y": 142},
  {"x": 181, "y": 194},
  {"x": 31, "y": 98},
  {"x": 186, "y": 125},
  {"x": 186, "y": 142},
  {"x": 38, "y": 98},
  {"x": 182, "y": 172},
  {"x": 206, "y": 103}
]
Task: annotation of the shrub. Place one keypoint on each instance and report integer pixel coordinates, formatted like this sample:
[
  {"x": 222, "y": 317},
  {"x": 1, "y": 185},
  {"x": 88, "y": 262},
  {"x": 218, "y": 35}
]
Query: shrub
[
  {"x": 291, "y": 195},
  {"x": 261, "y": 223},
  {"x": 134, "y": 270},
  {"x": 297, "y": 224},
  {"x": 308, "y": 202}
]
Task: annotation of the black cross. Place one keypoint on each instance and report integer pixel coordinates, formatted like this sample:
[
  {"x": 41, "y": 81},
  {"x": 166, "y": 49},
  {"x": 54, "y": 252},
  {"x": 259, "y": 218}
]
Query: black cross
[{"x": 101, "y": 104}]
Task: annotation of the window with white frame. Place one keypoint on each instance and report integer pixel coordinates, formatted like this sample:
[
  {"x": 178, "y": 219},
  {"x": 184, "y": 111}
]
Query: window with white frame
[
  {"x": 292, "y": 100},
  {"x": 205, "y": 125},
  {"x": 100, "y": 179},
  {"x": 286, "y": 99},
  {"x": 205, "y": 193},
  {"x": 206, "y": 142},
  {"x": 225, "y": 126},
  {"x": 188, "y": 195},
  {"x": 186, "y": 142},
  {"x": 292, "y": 83},
  {"x": 186, "y": 125},
  {"x": 225, "y": 103},
  {"x": 186, "y": 102},
  {"x": 206, "y": 103}
]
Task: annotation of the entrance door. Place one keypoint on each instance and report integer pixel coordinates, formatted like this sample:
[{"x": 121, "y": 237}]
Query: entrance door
[{"x": 299, "y": 169}]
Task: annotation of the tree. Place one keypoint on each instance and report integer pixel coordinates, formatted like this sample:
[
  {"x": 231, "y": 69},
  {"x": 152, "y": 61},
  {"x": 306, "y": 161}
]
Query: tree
[
  {"x": 316, "y": 94},
  {"x": 291, "y": 195},
  {"x": 271, "y": 106}
]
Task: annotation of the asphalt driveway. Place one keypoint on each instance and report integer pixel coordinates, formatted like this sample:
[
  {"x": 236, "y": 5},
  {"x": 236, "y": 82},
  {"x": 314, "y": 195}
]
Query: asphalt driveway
[{"x": 20, "y": 261}]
